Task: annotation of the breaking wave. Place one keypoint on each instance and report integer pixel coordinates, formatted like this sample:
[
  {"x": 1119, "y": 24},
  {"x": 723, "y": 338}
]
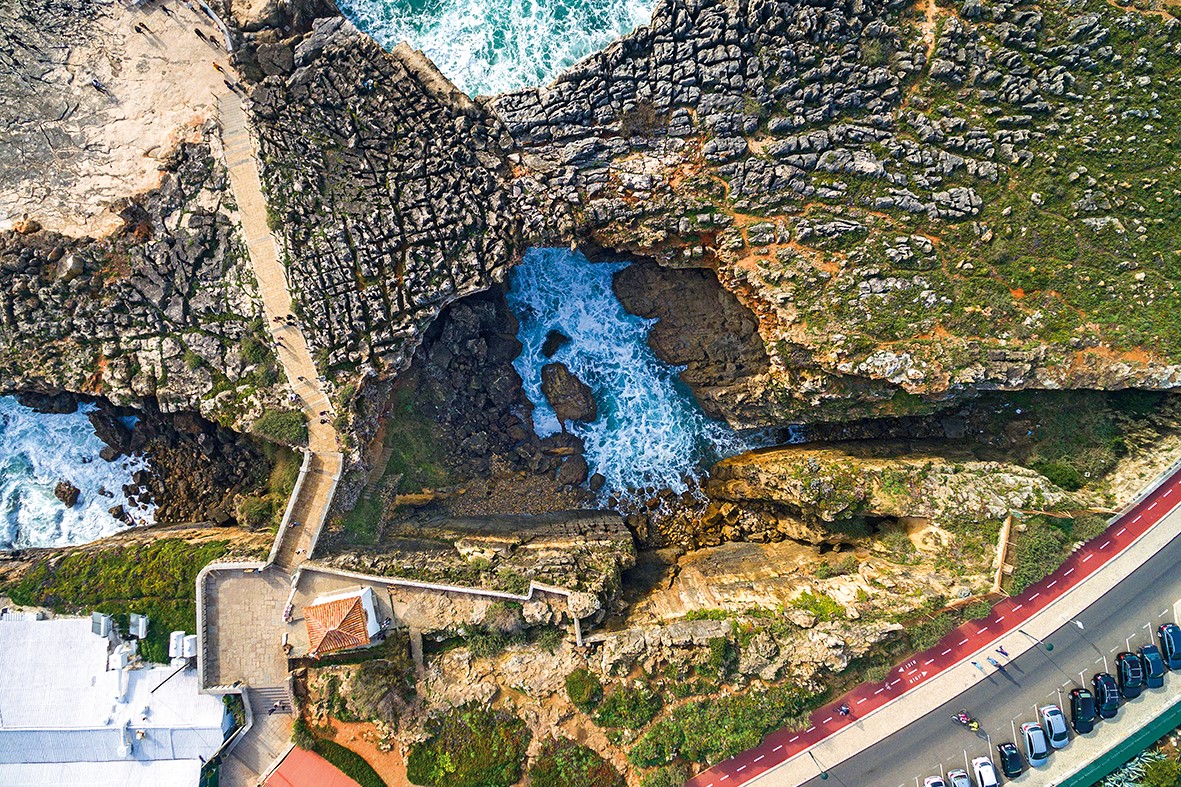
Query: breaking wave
[
  {"x": 650, "y": 431},
  {"x": 492, "y": 46},
  {"x": 36, "y": 451}
]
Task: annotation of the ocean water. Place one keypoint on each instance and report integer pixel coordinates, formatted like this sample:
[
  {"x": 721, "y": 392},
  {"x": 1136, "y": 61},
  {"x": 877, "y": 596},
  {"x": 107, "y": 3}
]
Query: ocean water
[
  {"x": 492, "y": 46},
  {"x": 650, "y": 431},
  {"x": 36, "y": 451}
]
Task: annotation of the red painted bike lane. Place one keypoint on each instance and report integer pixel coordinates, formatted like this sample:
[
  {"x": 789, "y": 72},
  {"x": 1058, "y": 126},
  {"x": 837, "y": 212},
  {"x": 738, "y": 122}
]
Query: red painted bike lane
[{"x": 1006, "y": 617}]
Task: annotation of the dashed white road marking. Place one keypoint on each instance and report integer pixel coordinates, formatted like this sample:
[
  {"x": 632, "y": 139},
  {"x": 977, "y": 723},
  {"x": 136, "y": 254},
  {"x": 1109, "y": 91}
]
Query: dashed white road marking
[
  {"x": 944, "y": 653},
  {"x": 777, "y": 748},
  {"x": 1068, "y": 572},
  {"x": 1121, "y": 531},
  {"x": 793, "y": 740},
  {"x": 1088, "y": 557},
  {"x": 1105, "y": 545}
]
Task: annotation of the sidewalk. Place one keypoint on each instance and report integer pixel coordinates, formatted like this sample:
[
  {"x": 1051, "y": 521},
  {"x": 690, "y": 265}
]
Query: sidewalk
[{"x": 933, "y": 677}]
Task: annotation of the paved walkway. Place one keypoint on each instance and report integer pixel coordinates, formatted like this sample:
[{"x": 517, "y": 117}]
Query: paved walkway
[
  {"x": 291, "y": 346},
  {"x": 933, "y": 677}
]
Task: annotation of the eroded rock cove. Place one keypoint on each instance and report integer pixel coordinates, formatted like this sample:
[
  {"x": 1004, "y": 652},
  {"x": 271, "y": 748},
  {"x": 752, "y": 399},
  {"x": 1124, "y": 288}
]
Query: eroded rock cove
[{"x": 763, "y": 332}]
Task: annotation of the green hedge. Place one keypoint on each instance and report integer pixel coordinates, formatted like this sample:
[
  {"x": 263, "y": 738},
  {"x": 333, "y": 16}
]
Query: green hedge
[
  {"x": 157, "y": 579},
  {"x": 470, "y": 746},
  {"x": 584, "y": 689},
  {"x": 282, "y": 426},
  {"x": 349, "y": 763}
]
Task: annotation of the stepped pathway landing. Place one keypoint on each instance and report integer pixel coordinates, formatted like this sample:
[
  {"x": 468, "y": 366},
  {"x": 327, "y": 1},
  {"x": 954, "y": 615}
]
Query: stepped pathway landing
[{"x": 292, "y": 348}]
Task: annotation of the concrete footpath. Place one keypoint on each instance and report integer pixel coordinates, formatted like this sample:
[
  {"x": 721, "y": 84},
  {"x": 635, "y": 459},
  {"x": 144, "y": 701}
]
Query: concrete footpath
[{"x": 937, "y": 676}]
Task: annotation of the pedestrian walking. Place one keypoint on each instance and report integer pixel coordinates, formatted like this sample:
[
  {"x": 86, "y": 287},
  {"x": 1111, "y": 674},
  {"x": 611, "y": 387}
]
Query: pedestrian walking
[
  {"x": 994, "y": 662},
  {"x": 843, "y": 709},
  {"x": 1001, "y": 650},
  {"x": 976, "y": 664}
]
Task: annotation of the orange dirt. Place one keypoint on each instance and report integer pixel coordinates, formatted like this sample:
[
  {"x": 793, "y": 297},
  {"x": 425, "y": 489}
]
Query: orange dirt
[{"x": 362, "y": 737}]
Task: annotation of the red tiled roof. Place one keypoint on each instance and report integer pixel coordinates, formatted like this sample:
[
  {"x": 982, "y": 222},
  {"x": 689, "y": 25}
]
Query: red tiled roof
[
  {"x": 336, "y": 625},
  {"x": 305, "y": 769}
]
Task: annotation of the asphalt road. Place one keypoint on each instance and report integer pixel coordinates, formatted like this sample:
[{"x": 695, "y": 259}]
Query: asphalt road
[{"x": 1127, "y": 615}]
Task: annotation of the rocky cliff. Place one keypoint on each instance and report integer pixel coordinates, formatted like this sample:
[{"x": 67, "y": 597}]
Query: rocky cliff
[{"x": 914, "y": 202}]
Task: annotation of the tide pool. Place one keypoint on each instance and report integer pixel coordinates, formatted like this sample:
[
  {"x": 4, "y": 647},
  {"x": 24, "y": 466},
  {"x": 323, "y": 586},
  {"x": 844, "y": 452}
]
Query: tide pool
[
  {"x": 650, "y": 431},
  {"x": 493, "y": 46},
  {"x": 36, "y": 451}
]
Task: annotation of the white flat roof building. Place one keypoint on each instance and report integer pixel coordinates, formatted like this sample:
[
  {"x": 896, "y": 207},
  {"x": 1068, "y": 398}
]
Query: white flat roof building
[{"x": 69, "y": 715}]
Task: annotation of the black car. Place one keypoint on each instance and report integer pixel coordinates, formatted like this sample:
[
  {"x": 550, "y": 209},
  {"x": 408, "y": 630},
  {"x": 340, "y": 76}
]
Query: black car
[
  {"x": 1130, "y": 675},
  {"x": 1169, "y": 635},
  {"x": 1082, "y": 710},
  {"x": 1010, "y": 759},
  {"x": 1154, "y": 666},
  {"x": 1106, "y": 695}
]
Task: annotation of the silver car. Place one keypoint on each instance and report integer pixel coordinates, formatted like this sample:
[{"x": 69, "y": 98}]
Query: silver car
[
  {"x": 985, "y": 772},
  {"x": 1055, "y": 724},
  {"x": 959, "y": 778},
  {"x": 1037, "y": 746}
]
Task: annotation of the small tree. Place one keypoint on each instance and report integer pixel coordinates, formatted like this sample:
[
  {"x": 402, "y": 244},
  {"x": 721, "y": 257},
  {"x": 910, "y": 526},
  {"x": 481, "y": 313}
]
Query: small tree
[{"x": 584, "y": 689}]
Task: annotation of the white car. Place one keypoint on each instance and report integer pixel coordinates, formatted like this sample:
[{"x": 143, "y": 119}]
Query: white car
[
  {"x": 1054, "y": 721},
  {"x": 934, "y": 781},
  {"x": 959, "y": 778},
  {"x": 985, "y": 772}
]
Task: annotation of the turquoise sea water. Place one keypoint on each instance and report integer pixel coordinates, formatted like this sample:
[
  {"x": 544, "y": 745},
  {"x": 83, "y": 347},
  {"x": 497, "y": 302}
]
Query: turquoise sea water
[
  {"x": 492, "y": 46},
  {"x": 650, "y": 431},
  {"x": 38, "y": 450}
]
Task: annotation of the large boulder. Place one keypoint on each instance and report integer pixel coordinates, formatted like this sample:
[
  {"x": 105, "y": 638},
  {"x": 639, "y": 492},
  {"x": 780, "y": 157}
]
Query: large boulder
[
  {"x": 571, "y": 398},
  {"x": 67, "y": 493}
]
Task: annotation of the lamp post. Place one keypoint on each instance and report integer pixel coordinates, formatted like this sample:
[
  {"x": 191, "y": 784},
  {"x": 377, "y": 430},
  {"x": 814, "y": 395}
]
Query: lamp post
[
  {"x": 823, "y": 773},
  {"x": 1047, "y": 645}
]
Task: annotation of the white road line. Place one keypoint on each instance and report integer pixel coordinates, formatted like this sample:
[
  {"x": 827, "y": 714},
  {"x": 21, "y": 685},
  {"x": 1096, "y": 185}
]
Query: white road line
[
  {"x": 1138, "y": 518},
  {"x": 999, "y": 619},
  {"x": 777, "y": 748},
  {"x": 928, "y": 662},
  {"x": 863, "y": 699},
  {"x": 756, "y": 759},
  {"x": 1069, "y": 572},
  {"x": 1019, "y": 606},
  {"x": 809, "y": 730},
  {"x": 1152, "y": 506},
  {"x": 983, "y": 629},
  {"x": 826, "y": 721},
  {"x": 727, "y": 776},
  {"x": 1105, "y": 545},
  {"x": 963, "y": 642},
  {"x": 793, "y": 740},
  {"x": 741, "y": 768},
  {"x": 1052, "y": 584},
  {"x": 1088, "y": 557},
  {"x": 1035, "y": 595},
  {"x": 1164, "y": 612},
  {"x": 944, "y": 653},
  {"x": 879, "y": 691},
  {"x": 1113, "y": 650},
  {"x": 1121, "y": 531}
]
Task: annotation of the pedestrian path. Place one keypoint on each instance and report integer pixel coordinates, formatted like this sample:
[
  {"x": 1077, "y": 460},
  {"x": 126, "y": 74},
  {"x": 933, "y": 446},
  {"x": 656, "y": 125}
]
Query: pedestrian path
[
  {"x": 788, "y": 757},
  {"x": 315, "y": 493}
]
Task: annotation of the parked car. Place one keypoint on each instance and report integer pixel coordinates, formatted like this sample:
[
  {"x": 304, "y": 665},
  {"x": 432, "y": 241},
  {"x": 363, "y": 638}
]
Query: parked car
[
  {"x": 1106, "y": 695},
  {"x": 986, "y": 772},
  {"x": 1130, "y": 675},
  {"x": 1037, "y": 746},
  {"x": 1010, "y": 759},
  {"x": 959, "y": 778},
  {"x": 1054, "y": 723},
  {"x": 1169, "y": 635},
  {"x": 1154, "y": 666},
  {"x": 1082, "y": 710},
  {"x": 934, "y": 781}
]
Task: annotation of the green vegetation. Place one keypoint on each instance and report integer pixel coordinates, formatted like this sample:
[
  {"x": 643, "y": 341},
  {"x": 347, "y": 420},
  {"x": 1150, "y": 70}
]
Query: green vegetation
[
  {"x": 630, "y": 705},
  {"x": 564, "y": 763},
  {"x": 288, "y": 427},
  {"x": 302, "y": 735},
  {"x": 266, "y": 510},
  {"x": 822, "y": 606},
  {"x": 348, "y": 762},
  {"x": 415, "y": 457},
  {"x": 843, "y": 566},
  {"x": 926, "y": 634},
  {"x": 1046, "y": 542},
  {"x": 157, "y": 579},
  {"x": 470, "y": 746},
  {"x": 584, "y": 689},
  {"x": 1162, "y": 773},
  {"x": 666, "y": 776},
  {"x": 713, "y": 729}
]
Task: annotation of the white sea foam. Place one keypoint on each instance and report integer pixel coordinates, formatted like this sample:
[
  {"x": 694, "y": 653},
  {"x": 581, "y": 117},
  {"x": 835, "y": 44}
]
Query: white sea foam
[
  {"x": 36, "y": 451},
  {"x": 492, "y": 46},
  {"x": 650, "y": 431}
]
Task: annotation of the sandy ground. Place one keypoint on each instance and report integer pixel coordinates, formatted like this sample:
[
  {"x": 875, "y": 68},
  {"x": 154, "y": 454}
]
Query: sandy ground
[
  {"x": 362, "y": 739},
  {"x": 67, "y": 171}
]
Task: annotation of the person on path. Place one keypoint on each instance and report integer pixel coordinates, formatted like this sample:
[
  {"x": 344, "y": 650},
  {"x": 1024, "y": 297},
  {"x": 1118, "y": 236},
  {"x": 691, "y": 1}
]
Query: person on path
[
  {"x": 976, "y": 664},
  {"x": 843, "y": 709},
  {"x": 1001, "y": 650},
  {"x": 994, "y": 662}
]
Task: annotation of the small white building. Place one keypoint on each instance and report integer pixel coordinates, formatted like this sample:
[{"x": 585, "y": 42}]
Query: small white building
[{"x": 74, "y": 712}]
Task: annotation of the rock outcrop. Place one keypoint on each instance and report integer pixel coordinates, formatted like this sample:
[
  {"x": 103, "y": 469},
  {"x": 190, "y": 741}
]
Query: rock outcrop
[
  {"x": 571, "y": 398},
  {"x": 823, "y": 494}
]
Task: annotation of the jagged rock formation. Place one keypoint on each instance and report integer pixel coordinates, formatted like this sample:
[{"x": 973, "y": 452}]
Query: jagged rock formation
[
  {"x": 913, "y": 204},
  {"x": 827, "y": 494},
  {"x": 166, "y": 308},
  {"x": 388, "y": 188}
]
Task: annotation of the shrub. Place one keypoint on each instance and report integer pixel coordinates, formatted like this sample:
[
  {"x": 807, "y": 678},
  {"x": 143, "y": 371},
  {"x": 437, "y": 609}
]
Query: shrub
[
  {"x": 470, "y": 747},
  {"x": 1060, "y": 475},
  {"x": 301, "y": 735},
  {"x": 1162, "y": 773},
  {"x": 824, "y": 607},
  {"x": 846, "y": 565},
  {"x": 282, "y": 426},
  {"x": 157, "y": 579},
  {"x": 929, "y": 632},
  {"x": 630, "y": 705},
  {"x": 348, "y": 762},
  {"x": 564, "y": 763},
  {"x": 1039, "y": 551},
  {"x": 668, "y": 776},
  {"x": 713, "y": 729},
  {"x": 584, "y": 689},
  {"x": 977, "y": 610}
]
